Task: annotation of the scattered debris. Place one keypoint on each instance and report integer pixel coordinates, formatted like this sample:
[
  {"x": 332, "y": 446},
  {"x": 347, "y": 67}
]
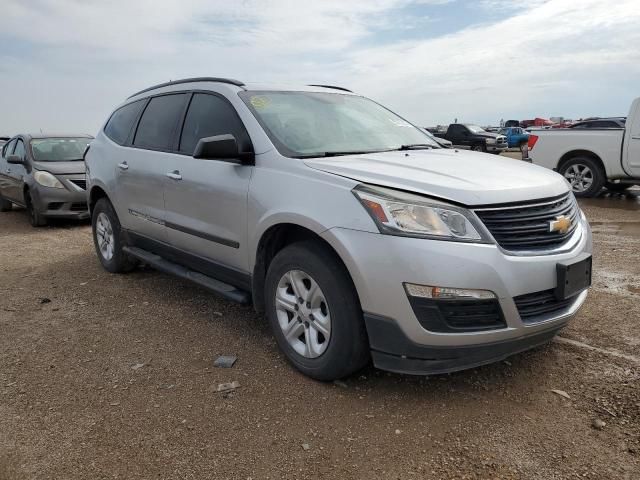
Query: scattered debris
[
  {"x": 10, "y": 309},
  {"x": 225, "y": 361},
  {"x": 217, "y": 314},
  {"x": 598, "y": 424},
  {"x": 398, "y": 432},
  {"x": 306, "y": 446},
  {"x": 226, "y": 387},
  {"x": 562, "y": 393},
  {"x": 340, "y": 383},
  {"x": 137, "y": 366},
  {"x": 45, "y": 300}
]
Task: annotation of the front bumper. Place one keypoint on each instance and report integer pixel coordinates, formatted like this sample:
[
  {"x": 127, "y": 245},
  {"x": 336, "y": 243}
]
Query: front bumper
[
  {"x": 496, "y": 147},
  {"x": 68, "y": 203},
  {"x": 381, "y": 264}
]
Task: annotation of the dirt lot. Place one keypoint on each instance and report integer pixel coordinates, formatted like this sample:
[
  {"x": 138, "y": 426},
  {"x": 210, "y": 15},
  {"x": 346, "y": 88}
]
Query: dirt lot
[{"x": 111, "y": 376}]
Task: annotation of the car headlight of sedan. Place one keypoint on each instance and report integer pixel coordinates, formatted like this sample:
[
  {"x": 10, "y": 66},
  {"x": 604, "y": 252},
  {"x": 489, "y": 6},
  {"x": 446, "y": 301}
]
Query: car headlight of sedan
[
  {"x": 47, "y": 180},
  {"x": 409, "y": 215}
]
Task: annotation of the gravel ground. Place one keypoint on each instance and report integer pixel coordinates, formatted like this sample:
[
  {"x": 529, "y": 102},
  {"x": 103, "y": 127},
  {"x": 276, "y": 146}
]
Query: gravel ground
[{"x": 111, "y": 376}]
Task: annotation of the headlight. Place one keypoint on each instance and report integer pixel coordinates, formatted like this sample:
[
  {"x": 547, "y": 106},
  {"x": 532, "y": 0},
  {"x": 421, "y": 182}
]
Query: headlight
[
  {"x": 409, "y": 215},
  {"x": 47, "y": 180},
  {"x": 491, "y": 140}
]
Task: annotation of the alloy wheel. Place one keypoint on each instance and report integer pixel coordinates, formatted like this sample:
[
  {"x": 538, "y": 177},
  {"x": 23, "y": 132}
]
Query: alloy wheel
[
  {"x": 580, "y": 177},
  {"x": 105, "y": 237},
  {"x": 303, "y": 313}
]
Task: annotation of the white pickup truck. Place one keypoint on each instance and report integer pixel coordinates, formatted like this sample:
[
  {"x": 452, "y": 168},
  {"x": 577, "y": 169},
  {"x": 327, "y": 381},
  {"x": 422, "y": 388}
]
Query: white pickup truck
[{"x": 592, "y": 158}]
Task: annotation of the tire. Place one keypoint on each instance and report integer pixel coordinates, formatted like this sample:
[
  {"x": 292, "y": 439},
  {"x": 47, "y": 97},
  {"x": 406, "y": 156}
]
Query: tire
[
  {"x": 479, "y": 148},
  {"x": 35, "y": 218},
  {"x": 5, "y": 205},
  {"x": 585, "y": 175},
  {"x": 107, "y": 239},
  {"x": 334, "y": 309},
  {"x": 617, "y": 187}
]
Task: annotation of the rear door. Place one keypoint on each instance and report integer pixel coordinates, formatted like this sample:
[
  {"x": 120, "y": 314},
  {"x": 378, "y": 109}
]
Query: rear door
[
  {"x": 141, "y": 169},
  {"x": 206, "y": 200}
]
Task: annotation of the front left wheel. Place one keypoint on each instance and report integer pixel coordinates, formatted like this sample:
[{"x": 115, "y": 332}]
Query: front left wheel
[
  {"x": 35, "y": 217},
  {"x": 107, "y": 238},
  {"x": 314, "y": 312}
]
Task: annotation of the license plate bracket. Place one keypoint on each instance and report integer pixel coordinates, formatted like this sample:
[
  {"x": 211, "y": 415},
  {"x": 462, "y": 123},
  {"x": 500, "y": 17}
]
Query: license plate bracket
[{"x": 573, "y": 276}]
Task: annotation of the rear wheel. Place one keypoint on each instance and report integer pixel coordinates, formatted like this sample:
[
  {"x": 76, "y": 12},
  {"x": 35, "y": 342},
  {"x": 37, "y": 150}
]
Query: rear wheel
[
  {"x": 585, "y": 176},
  {"x": 5, "y": 205},
  {"x": 107, "y": 238},
  {"x": 35, "y": 217},
  {"x": 314, "y": 312}
]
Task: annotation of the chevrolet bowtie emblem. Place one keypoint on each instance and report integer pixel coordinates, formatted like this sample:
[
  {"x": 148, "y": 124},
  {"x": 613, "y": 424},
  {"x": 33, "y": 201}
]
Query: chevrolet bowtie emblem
[{"x": 561, "y": 224}]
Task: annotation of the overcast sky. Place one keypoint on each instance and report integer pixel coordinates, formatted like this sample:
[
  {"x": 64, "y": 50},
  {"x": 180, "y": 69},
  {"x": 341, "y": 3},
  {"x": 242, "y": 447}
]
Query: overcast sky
[{"x": 65, "y": 64}]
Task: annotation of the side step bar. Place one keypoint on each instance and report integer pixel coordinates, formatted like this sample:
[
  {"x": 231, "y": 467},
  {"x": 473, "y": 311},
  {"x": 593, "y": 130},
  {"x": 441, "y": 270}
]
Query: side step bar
[{"x": 223, "y": 289}]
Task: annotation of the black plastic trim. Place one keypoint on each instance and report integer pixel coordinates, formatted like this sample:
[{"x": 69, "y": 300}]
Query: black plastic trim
[
  {"x": 212, "y": 269},
  {"x": 391, "y": 350},
  {"x": 230, "y": 81},
  {"x": 334, "y": 87},
  {"x": 458, "y": 316},
  {"x": 206, "y": 236}
]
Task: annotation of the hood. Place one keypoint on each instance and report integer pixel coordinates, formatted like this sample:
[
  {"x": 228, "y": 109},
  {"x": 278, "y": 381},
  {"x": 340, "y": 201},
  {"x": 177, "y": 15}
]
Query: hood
[
  {"x": 461, "y": 176},
  {"x": 488, "y": 135},
  {"x": 61, "y": 168}
]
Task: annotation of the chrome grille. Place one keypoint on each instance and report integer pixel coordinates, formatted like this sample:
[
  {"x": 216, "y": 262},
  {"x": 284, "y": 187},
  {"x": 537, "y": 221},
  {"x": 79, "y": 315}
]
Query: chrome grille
[{"x": 526, "y": 226}]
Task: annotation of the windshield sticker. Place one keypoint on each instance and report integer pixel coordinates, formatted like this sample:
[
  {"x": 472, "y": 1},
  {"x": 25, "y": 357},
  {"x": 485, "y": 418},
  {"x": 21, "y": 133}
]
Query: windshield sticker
[{"x": 260, "y": 102}]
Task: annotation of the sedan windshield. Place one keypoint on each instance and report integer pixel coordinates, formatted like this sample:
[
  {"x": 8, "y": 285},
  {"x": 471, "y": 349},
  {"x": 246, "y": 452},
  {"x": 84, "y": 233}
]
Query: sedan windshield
[
  {"x": 306, "y": 124},
  {"x": 58, "y": 149}
]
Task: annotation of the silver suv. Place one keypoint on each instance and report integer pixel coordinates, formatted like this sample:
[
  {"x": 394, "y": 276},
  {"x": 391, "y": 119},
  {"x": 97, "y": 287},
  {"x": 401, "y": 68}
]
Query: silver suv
[{"x": 348, "y": 226}]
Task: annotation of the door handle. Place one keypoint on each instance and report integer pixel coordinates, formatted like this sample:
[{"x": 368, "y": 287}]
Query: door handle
[
  {"x": 123, "y": 166},
  {"x": 635, "y": 137},
  {"x": 175, "y": 175}
]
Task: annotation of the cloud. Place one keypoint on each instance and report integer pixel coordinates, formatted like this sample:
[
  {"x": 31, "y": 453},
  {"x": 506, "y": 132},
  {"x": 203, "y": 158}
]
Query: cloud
[{"x": 77, "y": 60}]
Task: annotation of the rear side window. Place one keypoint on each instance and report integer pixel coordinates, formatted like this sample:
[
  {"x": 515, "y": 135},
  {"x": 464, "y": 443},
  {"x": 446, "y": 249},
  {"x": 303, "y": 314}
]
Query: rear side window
[
  {"x": 119, "y": 125},
  {"x": 158, "y": 122},
  {"x": 210, "y": 115}
]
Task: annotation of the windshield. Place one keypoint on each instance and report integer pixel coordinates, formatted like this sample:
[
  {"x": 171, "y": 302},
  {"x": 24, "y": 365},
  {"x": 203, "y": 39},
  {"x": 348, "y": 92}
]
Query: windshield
[
  {"x": 58, "y": 149},
  {"x": 305, "y": 124},
  {"x": 475, "y": 129}
]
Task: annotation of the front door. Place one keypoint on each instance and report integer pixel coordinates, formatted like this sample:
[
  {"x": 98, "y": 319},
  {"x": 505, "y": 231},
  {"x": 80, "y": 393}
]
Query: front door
[
  {"x": 142, "y": 168},
  {"x": 5, "y": 168},
  {"x": 15, "y": 175},
  {"x": 206, "y": 200}
]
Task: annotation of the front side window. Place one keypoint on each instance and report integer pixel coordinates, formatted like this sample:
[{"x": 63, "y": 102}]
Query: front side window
[
  {"x": 159, "y": 121},
  {"x": 19, "y": 151},
  {"x": 119, "y": 125},
  {"x": 308, "y": 124},
  {"x": 65, "y": 149},
  {"x": 475, "y": 129},
  {"x": 210, "y": 115},
  {"x": 8, "y": 148}
]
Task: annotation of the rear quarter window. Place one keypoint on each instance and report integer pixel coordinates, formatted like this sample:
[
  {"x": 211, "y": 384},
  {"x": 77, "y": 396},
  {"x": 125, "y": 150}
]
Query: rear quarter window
[
  {"x": 159, "y": 121},
  {"x": 121, "y": 122}
]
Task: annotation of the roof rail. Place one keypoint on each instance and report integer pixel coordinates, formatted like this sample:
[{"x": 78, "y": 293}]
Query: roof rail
[
  {"x": 231, "y": 81},
  {"x": 332, "y": 86}
]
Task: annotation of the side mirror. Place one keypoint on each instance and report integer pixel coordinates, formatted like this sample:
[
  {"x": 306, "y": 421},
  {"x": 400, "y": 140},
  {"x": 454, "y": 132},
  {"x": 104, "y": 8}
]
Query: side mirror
[
  {"x": 222, "y": 147},
  {"x": 15, "y": 159}
]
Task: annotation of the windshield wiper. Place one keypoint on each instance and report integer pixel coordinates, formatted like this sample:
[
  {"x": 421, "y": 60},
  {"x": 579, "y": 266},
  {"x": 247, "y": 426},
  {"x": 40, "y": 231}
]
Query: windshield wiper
[
  {"x": 416, "y": 146},
  {"x": 339, "y": 154}
]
